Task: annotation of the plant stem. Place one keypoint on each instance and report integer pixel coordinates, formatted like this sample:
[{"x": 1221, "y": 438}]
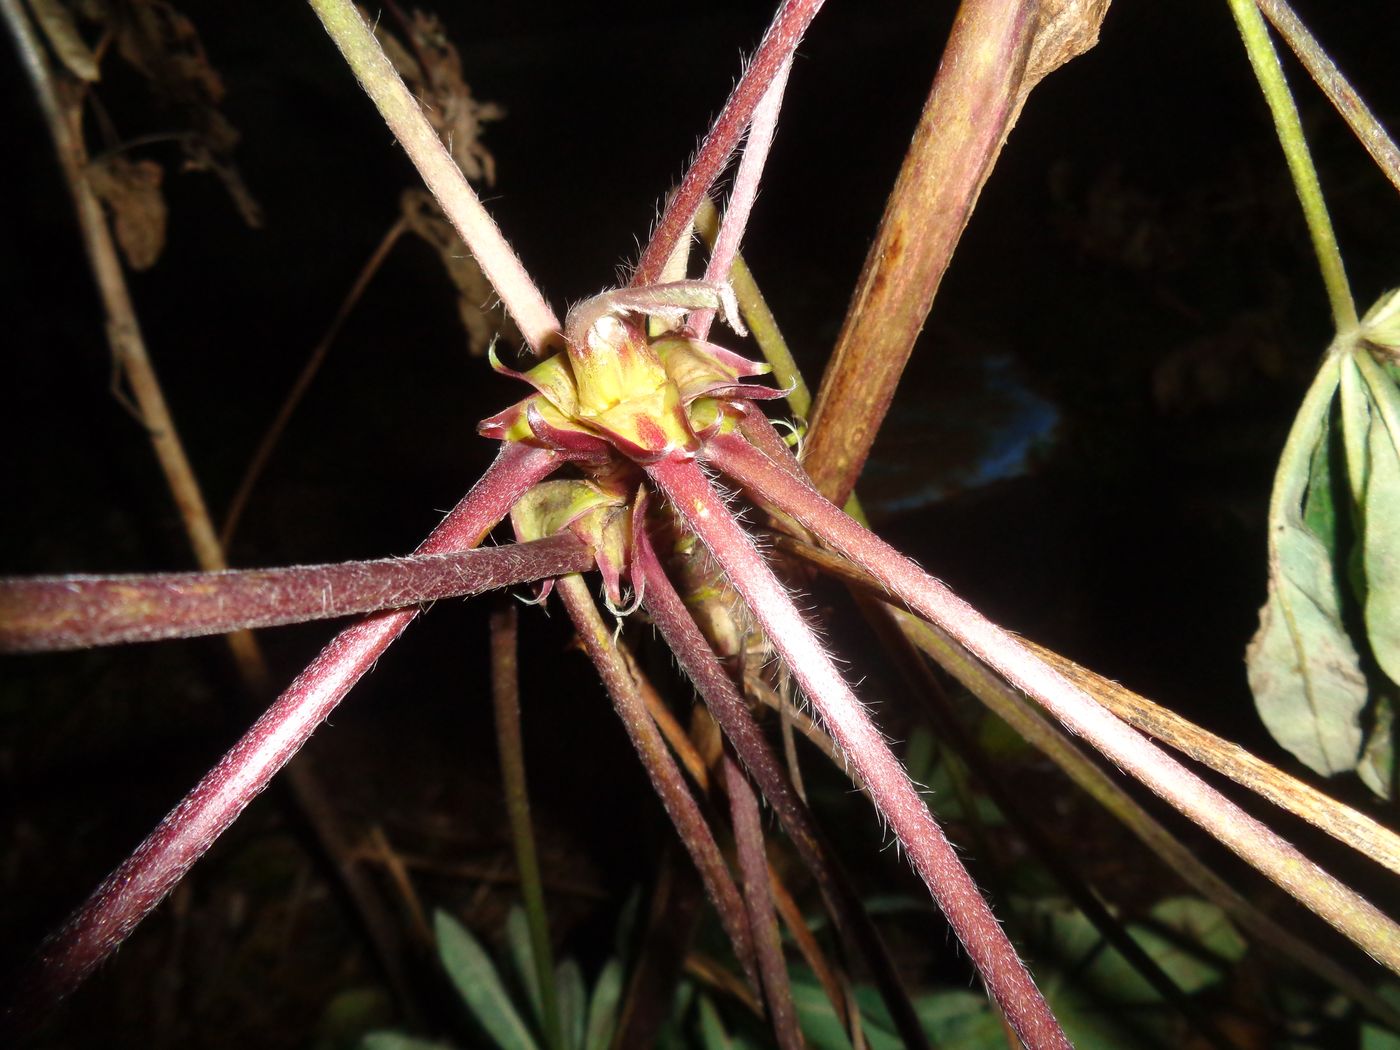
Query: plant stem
[
  {"x": 1341, "y": 821},
  {"x": 685, "y": 640},
  {"x": 273, "y": 434},
  {"x": 777, "y": 48},
  {"x": 1334, "y": 85},
  {"x": 661, "y": 768},
  {"x": 1028, "y": 722},
  {"x": 758, "y": 899},
  {"x": 995, "y": 53},
  {"x": 505, "y": 696},
  {"x": 47, "y": 613},
  {"x": 459, "y": 201},
  {"x": 745, "y": 191},
  {"x": 130, "y": 893},
  {"x": 61, "y": 109},
  {"x": 930, "y": 852},
  {"x": 1264, "y": 60},
  {"x": 1343, "y": 908},
  {"x": 759, "y": 318}
]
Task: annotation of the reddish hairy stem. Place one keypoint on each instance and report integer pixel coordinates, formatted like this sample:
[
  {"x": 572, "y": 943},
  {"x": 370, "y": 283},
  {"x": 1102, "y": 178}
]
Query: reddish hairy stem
[
  {"x": 758, "y": 900},
  {"x": 777, "y": 47},
  {"x": 48, "y": 613},
  {"x": 662, "y": 770},
  {"x": 745, "y": 192},
  {"x": 898, "y": 801},
  {"x": 683, "y": 637},
  {"x": 129, "y": 894},
  {"x": 1346, "y": 910}
]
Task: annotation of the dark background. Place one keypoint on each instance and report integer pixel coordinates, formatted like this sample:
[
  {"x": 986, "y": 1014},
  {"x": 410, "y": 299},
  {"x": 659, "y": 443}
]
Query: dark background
[{"x": 1137, "y": 261}]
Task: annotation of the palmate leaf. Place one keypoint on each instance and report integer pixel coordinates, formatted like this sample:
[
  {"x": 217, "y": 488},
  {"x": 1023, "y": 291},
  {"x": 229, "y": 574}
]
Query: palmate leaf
[{"x": 1303, "y": 669}]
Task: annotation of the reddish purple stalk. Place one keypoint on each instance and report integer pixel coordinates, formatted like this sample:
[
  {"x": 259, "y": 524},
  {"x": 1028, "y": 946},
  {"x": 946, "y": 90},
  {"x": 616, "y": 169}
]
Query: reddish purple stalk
[
  {"x": 776, "y": 49},
  {"x": 682, "y": 636},
  {"x": 778, "y": 483},
  {"x": 130, "y": 893},
  {"x": 758, "y": 900},
  {"x": 933, "y": 857},
  {"x": 47, "y": 613},
  {"x": 665, "y": 775}
]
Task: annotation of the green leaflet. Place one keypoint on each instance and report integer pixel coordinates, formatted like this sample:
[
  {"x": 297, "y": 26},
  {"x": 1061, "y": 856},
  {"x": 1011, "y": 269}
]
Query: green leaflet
[
  {"x": 573, "y": 1002},
  {"x": 475, "y": 977},
  {"x": 1380, "y": 514},
  {"x": 1303, "y": 668},
  {"x": 602, "y": 1008}
]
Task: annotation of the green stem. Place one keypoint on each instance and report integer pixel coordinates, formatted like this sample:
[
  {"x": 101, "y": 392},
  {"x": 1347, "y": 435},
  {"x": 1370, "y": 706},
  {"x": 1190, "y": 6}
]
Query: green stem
[
  {"x": 459, "y": 201},
  {"x": 1269, "y": 72},
  {"x": 505, "y": 695}
]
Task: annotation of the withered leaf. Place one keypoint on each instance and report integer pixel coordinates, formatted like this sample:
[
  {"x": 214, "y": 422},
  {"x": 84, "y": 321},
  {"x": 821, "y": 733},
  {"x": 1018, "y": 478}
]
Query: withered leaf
[
  {"x": 131, "y": 191},
  {"x": 61, "y": 30},
  {"x": 431, "y": 67}
]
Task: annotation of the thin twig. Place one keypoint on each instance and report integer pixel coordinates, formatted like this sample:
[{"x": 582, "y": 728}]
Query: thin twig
[
  {"x": 1353, "y": 109},
  {"x": 510, "y": 748},
  {"x": 268, "y": 442}
]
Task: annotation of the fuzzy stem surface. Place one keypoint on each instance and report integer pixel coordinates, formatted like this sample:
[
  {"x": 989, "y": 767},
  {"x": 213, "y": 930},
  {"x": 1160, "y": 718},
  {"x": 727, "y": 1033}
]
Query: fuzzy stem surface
[
  {"x": 933, "y": 857},
  {"x": 777, "y": 47},
  {"x": 685, "y": 640},
  {"x": 47, "y": 613},
  {"x": 662, "y": 770},
  {"x": 140, "y": 883},
  {"x": 1342, "y": 907}
]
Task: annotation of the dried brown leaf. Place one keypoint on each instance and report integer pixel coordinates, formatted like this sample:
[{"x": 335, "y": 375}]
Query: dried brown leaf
[
  {"x": 131, "y": 191},
  {"x": 432, "y": 69},
  {"x": 61, "y": 30}
]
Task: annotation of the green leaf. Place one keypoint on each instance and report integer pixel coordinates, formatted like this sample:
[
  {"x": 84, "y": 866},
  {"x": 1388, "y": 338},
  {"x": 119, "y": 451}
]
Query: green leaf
[
  {"x": 712, "y": 1033},
  {"x": 815, "y": 1014},
  {"x": 1194, "y": 922},
  {"x": 1380, "y": 518},
  {"x": 960, "y": 1019},
  {"x": 522, "y": 957},
  {"x": 572, "y": 998},
  {"x": 1373, "y": 1036},
  {"x": 398, "y": 1041},
  {"x": 479, "y": 985},
  {"x": 602, "y": 1010},
  {"x": 1303, "y": 668}
]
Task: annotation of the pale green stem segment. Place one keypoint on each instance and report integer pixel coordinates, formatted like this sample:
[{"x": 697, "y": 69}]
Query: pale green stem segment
[
  {"x": 1264, "y": 59},
  {"x": 459, "y": 201},
  {"x": 505, "y": 694}
]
